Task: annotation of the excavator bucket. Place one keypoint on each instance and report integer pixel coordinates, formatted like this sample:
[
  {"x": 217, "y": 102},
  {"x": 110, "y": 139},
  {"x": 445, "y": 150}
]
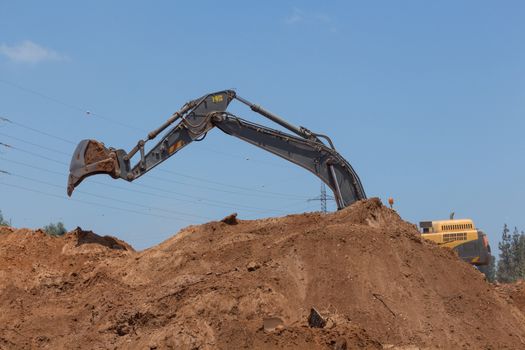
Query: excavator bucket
[{"x": 90, "y": 158}]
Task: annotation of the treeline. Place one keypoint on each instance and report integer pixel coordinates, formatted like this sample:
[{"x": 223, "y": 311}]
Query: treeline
[
  {"x": 3, "y": 222},
  {"x": 511, "y": 262},
  {"x": 54, "y": 229}
]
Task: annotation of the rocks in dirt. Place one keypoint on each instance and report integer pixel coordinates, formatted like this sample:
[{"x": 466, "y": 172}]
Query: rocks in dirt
[
  {"x": 81, "y": 237},
  {"x": 252, "y": 266},
  {"x": 339, "y": 344},
  {"x": 272, "y": 324},
  {"x": 230, "y": 219},
  {"x": 315, "y": 320}
]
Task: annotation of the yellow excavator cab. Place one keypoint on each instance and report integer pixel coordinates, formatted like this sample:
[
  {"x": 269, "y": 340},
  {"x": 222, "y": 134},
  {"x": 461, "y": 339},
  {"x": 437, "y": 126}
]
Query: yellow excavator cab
[
  {"x": 461, "y": 235},
  {"x": 446, "y": 225}
]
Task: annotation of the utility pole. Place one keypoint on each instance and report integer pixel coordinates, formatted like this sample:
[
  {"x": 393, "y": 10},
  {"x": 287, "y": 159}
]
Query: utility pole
[{"x": 323, "y": 198}]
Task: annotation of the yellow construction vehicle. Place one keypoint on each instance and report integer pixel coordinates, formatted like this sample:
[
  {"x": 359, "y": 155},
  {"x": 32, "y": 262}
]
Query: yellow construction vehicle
[{"x": 461, "y": 235}]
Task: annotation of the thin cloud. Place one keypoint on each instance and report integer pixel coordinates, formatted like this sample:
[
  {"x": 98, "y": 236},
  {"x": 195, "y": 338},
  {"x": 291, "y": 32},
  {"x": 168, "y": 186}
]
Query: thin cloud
[
  {"x": 30, "y": 52},
  {"x": 296, "y": 16},
  {"x": 299, "y": 16}
]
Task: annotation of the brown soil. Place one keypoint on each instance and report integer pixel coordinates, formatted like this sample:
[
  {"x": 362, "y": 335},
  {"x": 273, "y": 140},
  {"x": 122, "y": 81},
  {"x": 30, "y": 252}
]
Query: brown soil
[
  {"x": 95, "y": 152},
  {"x": 514, "y": 293},
  {"x": 252, "y": 284}
]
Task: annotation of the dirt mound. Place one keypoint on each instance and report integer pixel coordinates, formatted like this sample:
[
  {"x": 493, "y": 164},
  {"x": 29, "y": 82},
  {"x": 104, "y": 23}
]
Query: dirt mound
[
  {"x": 252, "y": 284},
  {"x": 514, "y": 293},
  {"x": 80, "y": 241}
]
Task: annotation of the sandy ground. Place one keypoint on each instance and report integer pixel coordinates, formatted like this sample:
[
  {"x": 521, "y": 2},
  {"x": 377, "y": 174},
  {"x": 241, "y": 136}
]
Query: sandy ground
[{"x": 252, "y": 285}]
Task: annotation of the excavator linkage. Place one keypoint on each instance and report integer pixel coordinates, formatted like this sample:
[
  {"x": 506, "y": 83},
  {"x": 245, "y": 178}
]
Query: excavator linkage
[{"x": 304, "y": 147}]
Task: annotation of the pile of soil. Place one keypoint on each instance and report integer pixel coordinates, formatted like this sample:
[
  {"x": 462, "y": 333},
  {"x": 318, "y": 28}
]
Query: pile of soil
[
  {"x": 514, "y": 293},
  {"x": 252, "y": 284}
]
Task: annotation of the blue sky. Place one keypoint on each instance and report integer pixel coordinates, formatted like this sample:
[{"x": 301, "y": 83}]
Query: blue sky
[{"x": 425, "y": 100}]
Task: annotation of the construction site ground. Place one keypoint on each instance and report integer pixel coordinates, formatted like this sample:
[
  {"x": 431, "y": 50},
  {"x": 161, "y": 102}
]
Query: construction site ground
[{"x": 243, "y": 284}]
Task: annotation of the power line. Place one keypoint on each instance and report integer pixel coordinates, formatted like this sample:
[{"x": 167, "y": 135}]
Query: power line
[
  {"x": 36, "y": 93},
  {"x": 33, "y": 154},
  {"x": 266, "y": 193},
  {"x": 77, "y": 108},
  {"x": 215, "y": 202},
  {"x": 82, "y": 110},
  {"x": 236, "y": 156},
  {"x": 228, "y": 185},
  {"x": 85, "y": 202},
  {"x": 112, "y": 199},
  {"x": 37, "y": 130},
  {"x": 32, "y": 166},
  {"x": 212, "y": 188},
  {"x": 165, "y": 180},
  {"x": 36, "y": 145},
  {"x": 212, "y": 202},
  {"x": 204, "y": 202},
  {"x": 68, "y": 105}
]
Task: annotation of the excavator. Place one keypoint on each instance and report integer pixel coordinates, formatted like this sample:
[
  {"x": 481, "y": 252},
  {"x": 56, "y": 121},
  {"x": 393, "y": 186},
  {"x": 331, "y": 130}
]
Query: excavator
[
  {"x": 312, "y": 151},
  {"x": 462, "y": 236}
]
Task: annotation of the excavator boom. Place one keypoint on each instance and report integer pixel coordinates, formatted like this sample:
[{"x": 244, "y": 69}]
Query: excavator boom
[{"x": 199, "y": 116}]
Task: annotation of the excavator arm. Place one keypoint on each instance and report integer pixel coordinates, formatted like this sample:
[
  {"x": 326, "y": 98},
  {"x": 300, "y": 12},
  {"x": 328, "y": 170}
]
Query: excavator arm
[{"x": 196, "y": 118}]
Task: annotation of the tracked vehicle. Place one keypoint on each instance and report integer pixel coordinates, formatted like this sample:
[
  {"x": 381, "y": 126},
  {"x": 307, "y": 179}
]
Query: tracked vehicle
[{"x": 461, "y": 235}]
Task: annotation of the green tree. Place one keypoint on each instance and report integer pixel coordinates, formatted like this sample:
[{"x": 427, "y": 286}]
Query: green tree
[
  {"x": 57, "y": 229},
  {"x": 515, "y": 253},
  {"x": 505, "y": 271},
  {"x": 517, "y": 249},
  {"x": 3, "y": 222},
  {"x": 519, "y": 253}
]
